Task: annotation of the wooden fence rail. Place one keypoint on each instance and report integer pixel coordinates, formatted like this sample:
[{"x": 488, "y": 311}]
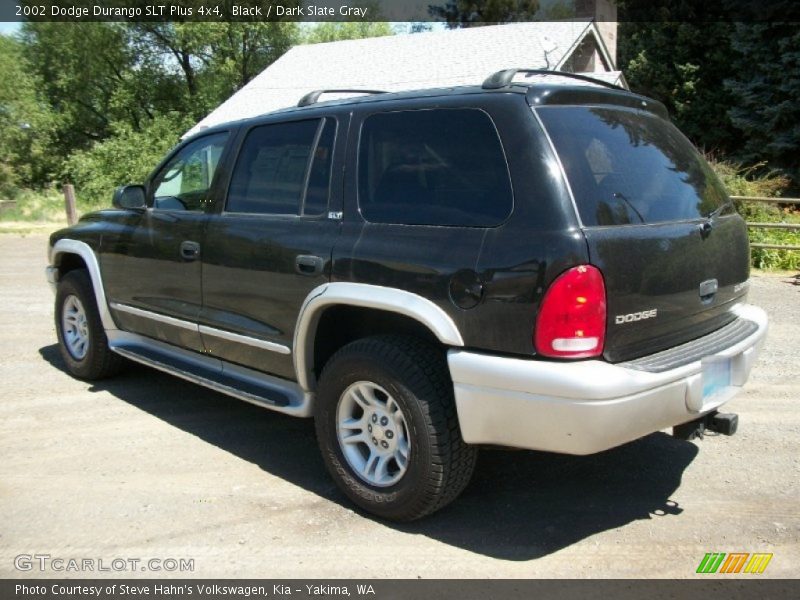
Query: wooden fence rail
[
  {"x": 773, "y": 225},
  {"x": 774, "y": 246},
  {"x": 783, "y": 226},
  {"x": 767, "y": 200}
]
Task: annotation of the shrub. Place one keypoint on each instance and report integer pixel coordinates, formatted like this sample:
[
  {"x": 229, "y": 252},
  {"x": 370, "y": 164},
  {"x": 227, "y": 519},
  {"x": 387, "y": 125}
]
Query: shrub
[
  {"x": 742, "y": 181},
  {"x": 128, "y": 156}
]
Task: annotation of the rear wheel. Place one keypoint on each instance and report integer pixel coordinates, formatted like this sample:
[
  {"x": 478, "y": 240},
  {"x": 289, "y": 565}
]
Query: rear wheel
[
  {"x": 373, "y": 434},
  {"x": 388, "y": 430},
  {"x": 82, "y": 339}
]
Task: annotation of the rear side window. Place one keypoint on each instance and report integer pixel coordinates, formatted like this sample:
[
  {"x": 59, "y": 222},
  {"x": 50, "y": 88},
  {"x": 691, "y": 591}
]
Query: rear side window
[
  {"x": 433, "y": 167},
  {"x": 272, "y": 171},
  {"x": 629, "y": 167}
]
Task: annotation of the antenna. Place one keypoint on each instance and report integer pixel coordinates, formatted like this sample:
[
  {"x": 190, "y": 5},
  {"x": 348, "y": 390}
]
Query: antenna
[{"x": 549, "y": 46}]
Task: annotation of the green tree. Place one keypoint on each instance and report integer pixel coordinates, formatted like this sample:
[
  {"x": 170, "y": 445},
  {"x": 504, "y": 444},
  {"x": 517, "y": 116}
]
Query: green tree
[
  {"x": 334, "y": 31},
  {"x": 765, "y": 86},
  {"x": 211, "y": 60},
  {"x": 181, "y": 48},
  {"x": 105, "y": 81},
  {"x": 474, "y": 13},
  {"x": 240, "y": 51},
  {"x": 87, "y": 74},
  {"x": 683, "y": 64},
  {"x": 127, "y": 156},
  {"x": 26, "y": 122}
]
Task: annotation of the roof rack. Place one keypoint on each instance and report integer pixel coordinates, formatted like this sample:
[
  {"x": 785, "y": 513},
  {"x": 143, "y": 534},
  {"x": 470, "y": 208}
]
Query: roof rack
[
  {"x": 312, "y": 97},
  {"x": 504, "y": 78}
]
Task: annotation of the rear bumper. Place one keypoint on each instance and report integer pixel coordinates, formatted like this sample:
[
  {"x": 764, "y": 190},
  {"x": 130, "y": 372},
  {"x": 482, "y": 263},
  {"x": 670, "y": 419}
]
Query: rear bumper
[{"x": 587, "y": 406}]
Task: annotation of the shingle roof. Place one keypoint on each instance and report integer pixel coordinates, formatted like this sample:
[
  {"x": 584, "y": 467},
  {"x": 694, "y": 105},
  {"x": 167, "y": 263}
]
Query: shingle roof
[{"x": 403, "y": 62}]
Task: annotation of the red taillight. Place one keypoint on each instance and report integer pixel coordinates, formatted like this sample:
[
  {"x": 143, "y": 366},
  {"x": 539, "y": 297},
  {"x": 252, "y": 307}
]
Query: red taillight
[{"x": 572, "y": 316}]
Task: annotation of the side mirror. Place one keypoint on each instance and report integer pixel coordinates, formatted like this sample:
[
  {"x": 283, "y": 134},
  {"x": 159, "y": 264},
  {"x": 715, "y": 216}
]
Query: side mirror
[{"x": 129, "y": 197}]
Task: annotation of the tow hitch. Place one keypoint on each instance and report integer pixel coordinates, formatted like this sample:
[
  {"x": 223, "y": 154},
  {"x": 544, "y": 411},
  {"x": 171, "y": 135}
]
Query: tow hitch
[{"x": 724, "y": 423}]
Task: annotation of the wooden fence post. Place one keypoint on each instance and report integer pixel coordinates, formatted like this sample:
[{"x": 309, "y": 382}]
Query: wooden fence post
[{"x": 69, "y": 203}]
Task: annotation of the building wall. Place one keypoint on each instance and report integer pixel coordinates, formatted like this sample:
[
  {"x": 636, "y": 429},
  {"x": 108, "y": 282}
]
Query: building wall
[
  {"x": 604, "y": 12},
  {"x": 586, "y": 58}
]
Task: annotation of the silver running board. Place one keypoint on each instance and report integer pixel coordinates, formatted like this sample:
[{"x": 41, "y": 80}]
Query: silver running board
[{"x": 245, "y": 384}]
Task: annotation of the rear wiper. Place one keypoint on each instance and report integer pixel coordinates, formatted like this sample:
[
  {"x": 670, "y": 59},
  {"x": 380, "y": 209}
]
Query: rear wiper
[
  {"x": 720, "y": 209},
  {"x": 708, "y": 221},
  {"x": 624, "y": 198}
]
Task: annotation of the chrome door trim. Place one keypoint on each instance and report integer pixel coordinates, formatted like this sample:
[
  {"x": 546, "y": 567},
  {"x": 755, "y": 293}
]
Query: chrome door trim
[
  {"x": 244, "y": 339},
  {"x": 203, "y": 329},
  {"x": 146, "y": 314}
]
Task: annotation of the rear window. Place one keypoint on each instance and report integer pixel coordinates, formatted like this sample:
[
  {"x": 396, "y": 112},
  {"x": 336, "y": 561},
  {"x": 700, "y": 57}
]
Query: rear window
[
  {"x": 433, "y": 167},
  {"x": 628, "y": 167}
]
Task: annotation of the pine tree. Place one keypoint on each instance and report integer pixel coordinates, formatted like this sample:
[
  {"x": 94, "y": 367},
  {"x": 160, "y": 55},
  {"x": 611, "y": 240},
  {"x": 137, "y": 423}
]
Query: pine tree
[
  {"x": 472, "y": 13},
  {"x": 765, "y": 89}
]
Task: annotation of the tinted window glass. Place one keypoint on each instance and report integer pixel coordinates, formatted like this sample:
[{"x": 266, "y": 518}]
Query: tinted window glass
[
  {"x": 184, "y": 182},
  {"x": 630, "y": 166},
  {"x": 270, "y": 172},
  {"x": 320, "y": 177},
  {"x": 433, "y": 167}
]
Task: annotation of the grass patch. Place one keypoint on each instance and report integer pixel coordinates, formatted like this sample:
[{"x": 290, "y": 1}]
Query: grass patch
[
  {"x": 24, "y": 229},
  {"x": 785, "y": 260},
  {"x": 42, "y": 206},
  {"x": 763, "y": 258}
]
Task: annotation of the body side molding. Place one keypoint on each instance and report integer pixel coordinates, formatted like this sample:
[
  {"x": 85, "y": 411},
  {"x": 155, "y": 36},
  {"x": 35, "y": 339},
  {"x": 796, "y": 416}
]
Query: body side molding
[
  {"x": 202, "y": 329},
  {"x": 146, "y": 314},
  {"x": 82, "y": 249},
  {"x": 365, "y": 296},
  {"x": 244, "y": 339}
]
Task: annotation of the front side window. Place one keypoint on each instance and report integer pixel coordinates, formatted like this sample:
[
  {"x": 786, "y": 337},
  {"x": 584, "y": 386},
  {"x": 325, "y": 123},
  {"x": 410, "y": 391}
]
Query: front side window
[
  {"x": 185, "y": 181},
  {"x": 270, "y": 175},
  {"x": 433, "y": 167},
  {"x": 630, "y": 167}
]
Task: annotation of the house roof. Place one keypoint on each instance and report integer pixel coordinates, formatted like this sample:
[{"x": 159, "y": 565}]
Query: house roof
[{"x": 406, "y": 62}]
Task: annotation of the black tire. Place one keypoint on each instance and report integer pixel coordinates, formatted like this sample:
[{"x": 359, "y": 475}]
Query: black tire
[
  {"x": 99, "y": 361},
  {"x": 415, "y": 375}
]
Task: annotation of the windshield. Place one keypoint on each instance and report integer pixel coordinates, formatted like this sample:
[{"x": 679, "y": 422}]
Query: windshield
[{"x": 628, "y": 167}]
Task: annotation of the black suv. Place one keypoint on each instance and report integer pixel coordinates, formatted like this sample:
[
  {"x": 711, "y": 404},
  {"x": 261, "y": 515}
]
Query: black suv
[{"x": 534, "y": 265}]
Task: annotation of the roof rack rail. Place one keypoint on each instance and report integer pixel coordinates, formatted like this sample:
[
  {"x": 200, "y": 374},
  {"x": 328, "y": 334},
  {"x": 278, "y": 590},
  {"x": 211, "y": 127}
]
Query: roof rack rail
[
  {"x": 504, "y": 78},
  {"x": 312, "y": 97}
]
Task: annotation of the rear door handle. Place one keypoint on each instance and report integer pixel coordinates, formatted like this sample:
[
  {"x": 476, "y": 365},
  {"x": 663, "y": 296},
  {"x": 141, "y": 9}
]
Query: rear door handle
[
  {"x": 190, "y": 250},
  {"x": 306, "y": 264}
]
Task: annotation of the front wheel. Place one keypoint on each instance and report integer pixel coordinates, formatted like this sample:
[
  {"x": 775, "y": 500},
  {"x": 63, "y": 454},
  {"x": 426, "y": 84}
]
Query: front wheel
[
  {"x": 388, "y": 430},
  {"x": 81, "y": 337}
]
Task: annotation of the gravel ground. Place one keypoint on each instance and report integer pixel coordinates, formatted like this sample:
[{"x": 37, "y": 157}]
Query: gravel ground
[{"x": 149, "y": 466}]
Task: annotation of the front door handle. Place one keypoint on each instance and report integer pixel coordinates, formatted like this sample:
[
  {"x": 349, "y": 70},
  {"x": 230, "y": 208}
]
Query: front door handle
[
  {"x": 306, "y": 264},
  {"x": 190, "y": 250}
]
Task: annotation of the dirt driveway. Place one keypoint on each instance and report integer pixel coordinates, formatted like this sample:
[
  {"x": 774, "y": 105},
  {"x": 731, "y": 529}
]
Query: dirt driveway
[{"x": 148, "y": 466}]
